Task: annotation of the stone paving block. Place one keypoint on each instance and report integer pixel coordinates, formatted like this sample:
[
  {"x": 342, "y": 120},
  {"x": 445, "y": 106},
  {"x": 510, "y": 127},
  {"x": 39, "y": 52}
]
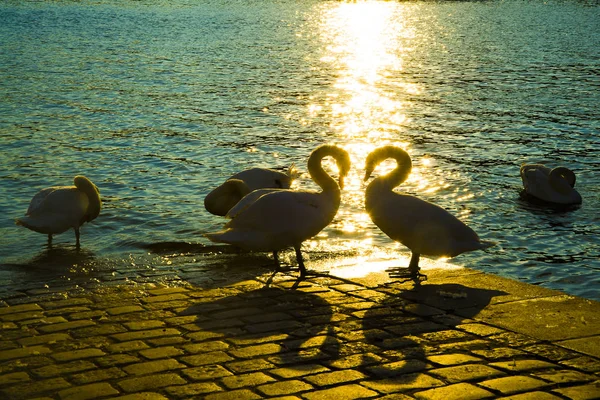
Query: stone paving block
[
  {"x": 151, "y": 382},
  {"x": 261, "y": 338},
  {"x": 86, "y": 392},
  {"x": 77, "y": 354},
  {"x": 151, "y": 367},
  {"x": 522, "y": 365},
  {"x": 52, "y": 370},
  {"x": 514, "y": 384},
  {"x": 591, "y": 391},
  {"x": 92, "y": 314},
  {"x": 44, "y": 339},
  {"x": 564, "y": 376},
  {"x": 204, "y": 347},
  {"x": 354, "y": 360},
  {"x": 245, "y": 380},
  {"x": 284, "y": 388},
  {"x": 44, "y": 321},
  {"x": 587, "y": 345},
  {"x": 124, "y": 310},
  {"x": 457, "y": 391},
  {"x": 277, "y": 326},
  {"x": 142, "y": 396},
  {"x": 299, "y": 370},
  {"x": 66, "y": 326},
  {"x": 584, "y": 363},
  {"x": 256, "y": 351},
  {"x": 34, "y": 388},
  {"x": 551, "y": 352},
  {"x": 250, "y": 365},
  {"x": 403, "y": 383},
  {"x": 453, "y": 359},
  {"x": 480, "y": 329},
  {"x": 165, "y": 298},
  {"x": 19, "y": 309},
  {"x": 533, "y": 396},
  {"x": 215, "y": 357},
  {"x": 334, "y": 378},
  {"x": 142, "y": 325},
  {"x": 192, "y": 390},
  {"x": 466, "y": 372},
  {"x": 345, "y": 392},
  {"x": 499, "y": 353},
  {"x": 146, "y": 334},
  {"x": 205, "y": 373},
  {"x": 397, "y": 368},
  {"x": 74, "y": 301},
  {"x": 124, "y": 347},
  {"x": 23, "y": 316},
  {"x": 116, "y": 359},
  {"x": 23, "y": 352},
  {"x": 161, "y": 352},
  {"x": 15, "y": 377},
  {"x": 96, "y": 375},
  {"x": 103, "y": 329},
  {"x": 242, "y": 394}
]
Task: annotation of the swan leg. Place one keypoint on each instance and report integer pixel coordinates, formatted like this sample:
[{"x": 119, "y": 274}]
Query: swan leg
[
  {"x": 49, "y": 240},
  {"x": 77, "y": 238},
  {"x": 300, "y": 262},
  {"x": 412, "y": 273}
]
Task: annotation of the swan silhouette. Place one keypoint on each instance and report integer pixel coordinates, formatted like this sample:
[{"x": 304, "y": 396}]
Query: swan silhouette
[
  {"x": 556, "y": 185},
  {"x": 273, "y": 219},
  {"x": 57, "y": 209},
  {"x": 423, "y": 227},
  {"x": 220, "y": 200}
]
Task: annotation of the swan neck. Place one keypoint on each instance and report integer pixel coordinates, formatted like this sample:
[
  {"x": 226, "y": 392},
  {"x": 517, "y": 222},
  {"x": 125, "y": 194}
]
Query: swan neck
[
  {"x": 91, "y": 191},
  {"x": 318, "y": 173},
  {"x": 403, "y": 168}
]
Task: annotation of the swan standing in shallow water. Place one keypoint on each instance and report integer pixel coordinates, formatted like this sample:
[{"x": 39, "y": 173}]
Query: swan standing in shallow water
[
  {"x": 220, "y": 200},
  {"x": 550, "y": 185},
  {"x": 271, "y": 220},
  {"x": 423, "y": 227},
  {"x": 57, "y": 209}
]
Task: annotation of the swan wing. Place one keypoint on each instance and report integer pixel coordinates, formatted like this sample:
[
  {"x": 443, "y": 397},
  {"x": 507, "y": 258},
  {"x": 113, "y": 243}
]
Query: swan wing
[
  {"x": 38, "y": 200},
  {"x": 259, "y": 178},
  {"x": 59, "y": 209},
  {"x": 248, "y": 200}
]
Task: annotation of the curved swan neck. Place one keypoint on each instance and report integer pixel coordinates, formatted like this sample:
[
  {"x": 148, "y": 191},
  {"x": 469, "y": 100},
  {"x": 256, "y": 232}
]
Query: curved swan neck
[
  {"x": 91, "y": 191},
  {"x": 319, "y": 175},
  {"x": 398, "y": 174}
]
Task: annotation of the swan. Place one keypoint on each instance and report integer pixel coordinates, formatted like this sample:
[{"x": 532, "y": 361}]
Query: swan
[
  {"x": 273, "y": 219},
  {"x": 554, "y": 185},
  {"x": 57, "y": 209},
  {"x": 423, "y": 227},
  {"x": 220, "y": 200}
]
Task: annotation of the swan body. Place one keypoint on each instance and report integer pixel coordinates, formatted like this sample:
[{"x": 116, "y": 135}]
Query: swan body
[
  {"x": 273, "y": 219},
  {"x": 220, "y": 200},
  {"x": 423, "y": 227},
  {"x": 57, "y": 209},
  {"x": 555, "y": 185}
]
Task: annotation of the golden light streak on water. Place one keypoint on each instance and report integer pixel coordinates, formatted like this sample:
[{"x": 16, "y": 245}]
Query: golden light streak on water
[{"x": 366, "y": 44}]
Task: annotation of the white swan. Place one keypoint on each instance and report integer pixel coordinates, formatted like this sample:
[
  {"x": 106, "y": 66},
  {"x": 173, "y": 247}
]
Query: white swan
[
  {"x": 551, "y": 185},
  {"x": 220, "y": 200},
  {"x": 57, "y": 209},
  {"x": 271, "y": 220},
  {"x": 423, "y": 227}
]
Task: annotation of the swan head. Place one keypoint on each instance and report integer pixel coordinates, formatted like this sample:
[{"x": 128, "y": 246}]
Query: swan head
[
  {"x": 564, "y": 173},
  {"x": 86, "y": 186},
  {"x": 343, "y": 163},
  {"x": 383, "y": 153},
  {"x": 220, "y": 200}
]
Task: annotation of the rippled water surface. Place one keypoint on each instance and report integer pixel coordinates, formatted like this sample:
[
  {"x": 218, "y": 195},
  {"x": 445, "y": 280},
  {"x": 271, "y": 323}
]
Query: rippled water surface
[{"x": 157, "y": 102}]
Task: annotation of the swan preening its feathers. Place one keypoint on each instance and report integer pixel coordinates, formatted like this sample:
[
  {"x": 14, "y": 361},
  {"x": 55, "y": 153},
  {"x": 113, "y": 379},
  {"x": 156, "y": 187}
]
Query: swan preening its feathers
[
  {"x": 423, "y": 227},
  {"x": 220, "y": 200},
  {"x": 555, "y": 185},
  {"x": 274, "y": 219},
  {"x": 57, "y": 209}
]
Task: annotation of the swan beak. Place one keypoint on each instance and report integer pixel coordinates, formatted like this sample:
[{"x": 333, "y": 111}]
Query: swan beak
[
  {"x": 341, "y": 181},
  {"x": 367, "y": 175}
]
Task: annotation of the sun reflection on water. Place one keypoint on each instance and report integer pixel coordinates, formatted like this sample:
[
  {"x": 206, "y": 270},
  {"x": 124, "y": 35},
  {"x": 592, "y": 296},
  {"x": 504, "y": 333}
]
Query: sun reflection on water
[{"x": 365, "y": 44}]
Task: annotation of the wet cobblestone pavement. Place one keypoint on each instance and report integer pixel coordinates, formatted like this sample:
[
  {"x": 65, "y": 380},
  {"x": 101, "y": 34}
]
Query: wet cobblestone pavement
[{"x": 460, "y": 335}]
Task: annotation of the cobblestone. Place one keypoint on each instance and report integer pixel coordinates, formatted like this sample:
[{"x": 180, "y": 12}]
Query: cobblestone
[{"x": 325, "y": 339}]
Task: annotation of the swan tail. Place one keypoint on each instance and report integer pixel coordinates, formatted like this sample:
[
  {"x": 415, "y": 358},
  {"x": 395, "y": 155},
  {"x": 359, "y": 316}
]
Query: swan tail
[
  {"x": 293, "y": 172},
  {"x": 48, "y": 225}
]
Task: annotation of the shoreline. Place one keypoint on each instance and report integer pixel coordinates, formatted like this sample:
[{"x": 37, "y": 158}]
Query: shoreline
[{"x": 463, "y": 332}]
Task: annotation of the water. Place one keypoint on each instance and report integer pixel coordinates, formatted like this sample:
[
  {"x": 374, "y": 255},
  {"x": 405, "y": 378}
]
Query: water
[{"x": 157, "y": 102}]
